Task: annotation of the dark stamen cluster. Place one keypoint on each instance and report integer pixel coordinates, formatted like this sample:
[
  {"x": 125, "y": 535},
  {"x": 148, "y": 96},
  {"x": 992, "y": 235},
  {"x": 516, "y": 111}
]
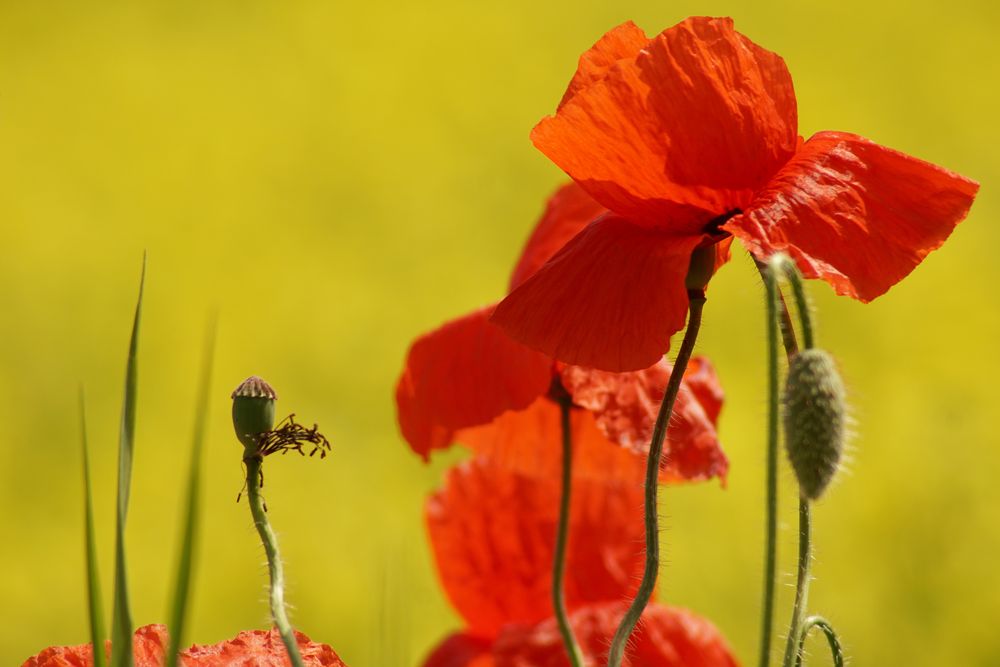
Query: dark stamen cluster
[{"x": 289, "y": 435}]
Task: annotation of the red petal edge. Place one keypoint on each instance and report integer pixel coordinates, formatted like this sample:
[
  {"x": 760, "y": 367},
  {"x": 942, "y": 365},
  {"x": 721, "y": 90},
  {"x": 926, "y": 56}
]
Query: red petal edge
[
  {"x": 854, "y": 213},
  {"x": 461, "y": 650},
  {"x": 463, "y": 374}
]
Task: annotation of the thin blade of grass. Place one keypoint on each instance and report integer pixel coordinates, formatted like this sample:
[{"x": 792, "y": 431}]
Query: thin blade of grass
[
  {"x": 189, "y": 531},
  {"x": 93, "y": 580},
  {"x": 121, "y": 623}
]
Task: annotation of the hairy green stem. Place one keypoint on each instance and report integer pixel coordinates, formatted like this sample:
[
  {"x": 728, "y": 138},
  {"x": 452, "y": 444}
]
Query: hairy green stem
[
  {"x": 793, "y": 645},
  {"x": 771, "y": 503},
  {"x": 831, "y": 638},
  {"x": 696, "y": 300},
  {"x": 562, "y": 535},
  {"x": 278, "y": 614}
]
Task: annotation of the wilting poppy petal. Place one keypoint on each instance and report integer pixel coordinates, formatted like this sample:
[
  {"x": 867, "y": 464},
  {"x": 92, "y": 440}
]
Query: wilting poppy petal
[
  {"x": 462, "y": 650},
  {"x": 623, "y": 41},
  {"x": 568, "y": 211},
  {"x": 529, "y": 442},
  {"x": 260, "y": 648},
  {"x": 493, "y": 535},
  {"x": 465, "y": 373},
  {"x": 858, "y": 215},
  {"x": 665, "y": 637},
  {"x": 625, "y": 406},
  {"x": 610, "y": 299},
  {"x": 687, "y": 130}
]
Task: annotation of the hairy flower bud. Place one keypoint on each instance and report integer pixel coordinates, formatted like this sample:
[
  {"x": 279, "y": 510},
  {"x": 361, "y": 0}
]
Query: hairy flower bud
[
  {"x": 253, "y": 410},
  {"x": 815, "y": 416}
]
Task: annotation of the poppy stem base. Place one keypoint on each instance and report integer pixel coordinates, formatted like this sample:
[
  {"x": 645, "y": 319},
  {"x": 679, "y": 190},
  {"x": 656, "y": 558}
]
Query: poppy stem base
[
  {"x": 562, "y": 535},
  {"x": 696, "y": 303}
]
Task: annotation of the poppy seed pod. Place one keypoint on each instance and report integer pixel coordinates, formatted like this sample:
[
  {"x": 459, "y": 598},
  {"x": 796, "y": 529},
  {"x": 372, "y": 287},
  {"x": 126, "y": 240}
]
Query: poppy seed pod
[
  {"x": 253, "y": 410},
  {"x": 815, "y": 416}
]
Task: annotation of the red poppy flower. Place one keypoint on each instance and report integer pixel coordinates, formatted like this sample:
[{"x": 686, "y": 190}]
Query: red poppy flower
[
  {"x": 469, "y": 382},
  {"x": 493, "y": 535},
  {"x": 691, "y": 138},
  {"x": 260, "y": 648}
]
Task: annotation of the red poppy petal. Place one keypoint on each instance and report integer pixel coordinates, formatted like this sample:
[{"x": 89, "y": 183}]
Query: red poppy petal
[
  {"x": 493, "y": 536},
  {"x": 625, "y": 406},
  {"x": 701, "y": 379},
  {"x": 858, "y": 215},
  {"x": 261, "y": 648},
  {"x": 149, "y": 645},
  {"x": 528, "y": 442},
  {"x": 465, "y": 373},
  {"x": 623, "y": 41},
  {"x": 665, "y": 637},
  {"x": 567, "y": 213},
  {"x": 683, "y": 132},
  {"x": 461, "y": 650},
  {"x": 610, "y": 299}
]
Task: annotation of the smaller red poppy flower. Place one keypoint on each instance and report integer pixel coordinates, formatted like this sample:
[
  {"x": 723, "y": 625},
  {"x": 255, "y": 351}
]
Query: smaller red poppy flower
[
  {"x": 690, "y": 139},
  {"x": 261, "y": 648},
  {"x": 492, "y": 531},
  {"x": 469, "y": 382}
]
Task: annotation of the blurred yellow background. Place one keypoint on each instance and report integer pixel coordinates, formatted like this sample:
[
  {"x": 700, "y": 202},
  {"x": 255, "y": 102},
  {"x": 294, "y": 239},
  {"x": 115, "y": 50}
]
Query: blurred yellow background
[{"x": 340, "y": 177}]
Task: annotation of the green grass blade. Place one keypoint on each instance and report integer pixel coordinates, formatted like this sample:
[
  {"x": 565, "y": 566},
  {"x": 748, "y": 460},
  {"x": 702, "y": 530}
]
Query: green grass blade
[
  {"x": 93, "y": 580},
  {"x": 189, "y": 531},
  {"x": 121, "y": 624}
]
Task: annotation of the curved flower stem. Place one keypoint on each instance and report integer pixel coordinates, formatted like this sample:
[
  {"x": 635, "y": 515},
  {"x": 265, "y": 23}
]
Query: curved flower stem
[
  {"x": 256, "y": 502},
  {"x": 562, "y": 535},
  {"x": 696, "y": 300},
  {"x": 793, "y": 646},
  {"x": 771, "y": 521},
  {"x": 831, "y": 638}
]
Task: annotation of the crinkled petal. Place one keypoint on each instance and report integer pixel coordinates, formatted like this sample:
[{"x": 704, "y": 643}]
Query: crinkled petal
[
  {"x": 493, "y": 536},
  {"x": 465, "y": 373},
  {"x": 623, "y": 41},
  {"x": 625, "y": 406},
  {"x": 685, "y": 131},
  {"x": 701, "y": 379},
  {"x": 260, "y": 648},
  {"x": 665, "y": 637},
  {"x": 567, "y": 213},
  {"x": 462, "y": 650},
  {"x": 149, "y": 645},
  {"x": 610, "y": 299},
  {"x": 858, "y": 215},
  {"x": 528, "y": 442}
]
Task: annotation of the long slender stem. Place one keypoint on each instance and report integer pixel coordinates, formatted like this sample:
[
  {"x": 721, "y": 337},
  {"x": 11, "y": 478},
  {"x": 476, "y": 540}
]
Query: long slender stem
[
  {"x": 696, "y": 300},
  {"x": 771, "y": 521},
  {"x": 831, "y": 637},
  {"x": 562, "y": 535},
  {"x": 793, "y": 645},
  {"x": 278, "y": 614}
]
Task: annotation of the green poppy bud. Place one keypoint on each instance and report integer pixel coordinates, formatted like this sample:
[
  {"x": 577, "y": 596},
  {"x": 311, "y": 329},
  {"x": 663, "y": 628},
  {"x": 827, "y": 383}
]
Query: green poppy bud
[
  {"x": 815, "y": 420},
  {"x": 253, "y": 410}
]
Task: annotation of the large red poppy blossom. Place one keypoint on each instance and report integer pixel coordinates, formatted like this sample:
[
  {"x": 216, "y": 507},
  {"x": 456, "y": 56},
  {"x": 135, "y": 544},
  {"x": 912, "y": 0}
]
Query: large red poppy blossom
[
  {"x": 492, "y": 531},
  {"x": 260, "y": 648},
  {"x": 691, "y": 138},
  {"x": 469, "y": 382}
]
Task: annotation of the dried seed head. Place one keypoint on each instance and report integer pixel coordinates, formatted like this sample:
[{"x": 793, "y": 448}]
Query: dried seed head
[
  {"x": 815, "y": 420},
  {"x": 253, "y": 410}
]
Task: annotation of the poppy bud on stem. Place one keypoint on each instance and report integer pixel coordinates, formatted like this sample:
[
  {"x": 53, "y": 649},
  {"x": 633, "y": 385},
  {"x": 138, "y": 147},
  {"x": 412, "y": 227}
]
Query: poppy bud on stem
[{"x": 253, "y": 416}]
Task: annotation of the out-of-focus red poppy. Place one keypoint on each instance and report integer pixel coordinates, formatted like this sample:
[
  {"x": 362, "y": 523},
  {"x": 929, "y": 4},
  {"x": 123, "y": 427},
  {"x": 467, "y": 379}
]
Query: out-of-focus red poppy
[
  {"x": 469, "y": 382},
  {"x": 689, "y": 139},
  {"x": 493, "y": 532},
  {"x": 260, "y": 648}
]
